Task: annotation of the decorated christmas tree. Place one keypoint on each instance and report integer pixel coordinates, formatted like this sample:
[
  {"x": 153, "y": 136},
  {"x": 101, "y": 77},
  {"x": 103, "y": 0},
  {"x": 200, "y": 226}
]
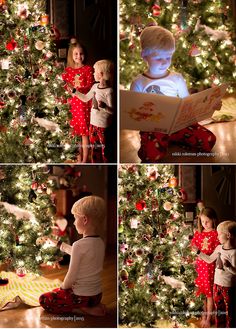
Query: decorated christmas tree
[
  {"x": 156, "y": 270},
  {"x": 27, "y": 218},
  {"x": 205, "y": 39},
  {"x": 34, "y": 113}
]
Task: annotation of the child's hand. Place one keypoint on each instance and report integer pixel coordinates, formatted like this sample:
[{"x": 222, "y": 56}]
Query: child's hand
[
  {"x": 218, "y": 106},
  {"x": 227, "y": 263}
]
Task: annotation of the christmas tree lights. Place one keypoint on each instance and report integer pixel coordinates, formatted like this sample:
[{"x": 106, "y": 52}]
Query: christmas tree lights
[
  {"x": 205, "y": 39},
  {"x": 26, "y": 218},
  {"x": 34, "y": 116},
  {"x": 156, "y": 270}
]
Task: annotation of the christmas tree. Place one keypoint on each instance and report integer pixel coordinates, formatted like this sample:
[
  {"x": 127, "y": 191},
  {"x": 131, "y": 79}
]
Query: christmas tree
[
  {"x": 156, "y": 271},
  {"x": 26, "y": 218},
  {"x": 34, "y": 112},
  {"x": 204, "y": 33}
]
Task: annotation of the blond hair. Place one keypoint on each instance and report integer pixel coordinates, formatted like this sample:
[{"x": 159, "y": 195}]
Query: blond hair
[
  {"x": 106, "y": 67},
  {"x": 92, "y": 207},
  {"x": 154, "y": 38},
  {"x": 73, "y": 45},
  {"x": 228, "y": 226}
]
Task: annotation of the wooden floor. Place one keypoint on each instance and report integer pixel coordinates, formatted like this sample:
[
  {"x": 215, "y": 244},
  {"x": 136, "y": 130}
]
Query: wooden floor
[
  {"x": 35, "y": 317},
  {"x": 223, "y": 151}
]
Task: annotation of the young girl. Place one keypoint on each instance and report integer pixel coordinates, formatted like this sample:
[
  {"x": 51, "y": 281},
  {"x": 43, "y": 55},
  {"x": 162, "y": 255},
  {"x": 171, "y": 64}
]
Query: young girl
[
  {"x": 80, "y": 76},
  {"x": 206, "y": 240},
  {"x": 102, "y": 108}
]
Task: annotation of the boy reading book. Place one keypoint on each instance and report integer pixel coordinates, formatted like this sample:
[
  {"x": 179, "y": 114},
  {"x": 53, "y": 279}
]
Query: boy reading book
[{"x": 157, "y": 49}]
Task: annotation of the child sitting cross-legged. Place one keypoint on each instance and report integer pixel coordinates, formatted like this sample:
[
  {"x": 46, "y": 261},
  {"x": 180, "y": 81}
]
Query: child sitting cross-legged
[
  {"x": 224, "y": 289},
  {"x": 81, "y": 290},
  {"x": 157, "y": 48}
]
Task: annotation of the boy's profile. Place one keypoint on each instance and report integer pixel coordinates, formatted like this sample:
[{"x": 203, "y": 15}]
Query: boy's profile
[
  {"x": 157, "y": 48},
  {"x": 81, "y": 290}
]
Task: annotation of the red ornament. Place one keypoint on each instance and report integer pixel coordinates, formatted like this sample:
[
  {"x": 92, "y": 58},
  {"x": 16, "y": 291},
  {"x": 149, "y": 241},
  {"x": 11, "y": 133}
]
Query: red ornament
[
  {"x": 194, "y": 51},
  {"x": 129, "y": 261},
  {"x": 11, "y": 45},
  {"x": 34, "y": 186},
  {"x": 156, "y": 10},
  {"x": 140, "y": 205},
  {"x": 153, "y": 175},
  {"x": 173, "y": 182}
]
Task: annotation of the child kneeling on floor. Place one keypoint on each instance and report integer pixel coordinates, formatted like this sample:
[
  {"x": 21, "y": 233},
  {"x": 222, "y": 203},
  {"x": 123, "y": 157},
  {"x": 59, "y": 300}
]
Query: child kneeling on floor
[{"x": 81, "y": 290}]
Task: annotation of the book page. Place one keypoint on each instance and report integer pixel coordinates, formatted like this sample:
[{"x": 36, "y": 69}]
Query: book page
[
  {"x": 147, "y": 112},
  {"x": 198, "y": 107}
]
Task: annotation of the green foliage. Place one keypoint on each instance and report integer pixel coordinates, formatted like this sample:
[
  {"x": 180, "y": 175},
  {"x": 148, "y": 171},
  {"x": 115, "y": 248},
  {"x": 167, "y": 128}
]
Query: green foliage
[
  {"x": 206, "y": 25},
  {"x": 154, "y": 248},
  {"x": 18, "y": 234},
  {"x": 34, "y": 110}
]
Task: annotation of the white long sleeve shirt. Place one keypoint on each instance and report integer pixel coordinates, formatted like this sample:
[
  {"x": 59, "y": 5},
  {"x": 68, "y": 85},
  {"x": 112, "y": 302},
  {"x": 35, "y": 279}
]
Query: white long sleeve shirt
[
  {"x": 171, "y": 85},
  {"x": 99, "y": 117},
  {"x": 224, "y": 276},
  {"x": 85, "y": 268}
]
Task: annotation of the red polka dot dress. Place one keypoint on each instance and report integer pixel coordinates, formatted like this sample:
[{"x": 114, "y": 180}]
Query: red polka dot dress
[
  {"x": 80, "y": 110},
  {"x": 206, "y": 242}
]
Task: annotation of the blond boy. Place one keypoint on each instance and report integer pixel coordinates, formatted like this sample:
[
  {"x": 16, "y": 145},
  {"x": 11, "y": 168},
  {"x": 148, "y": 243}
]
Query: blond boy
[
  {"x": 157, "y": 48},
  {"x": 81, "y": 290}
]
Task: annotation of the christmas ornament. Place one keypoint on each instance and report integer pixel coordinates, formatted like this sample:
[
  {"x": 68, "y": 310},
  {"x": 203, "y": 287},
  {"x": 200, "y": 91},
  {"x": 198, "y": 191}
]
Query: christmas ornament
[
  {"x": 21, "y": 272},
  {"x": 34, "y": 185},
  {"x": 11, "y": 45},
  {"x": 167, "y": 206},
  {"x": 62, "y": 223},
  {"x": 139, "y": 252},
  {"x": 124, "y": 247},
  {"x": 41, "y": 240},
  {"x": 39, "y": 45},
  {"x": 156, "y": 10},
  {"x": 153, "y": 175},
  {"x": 23, "y": 12},
  {"x": 5, "y": 63},
  {"x": 124, "y": 275},
  {"x": 194, "y": 51},
  {"x": 134, "y": 223},
  {"x": 129, "y": 261},
  {"x": 44, "y": 20},
  {"x": 140, "y": 205},
  {"x": 173, "y": 182}
]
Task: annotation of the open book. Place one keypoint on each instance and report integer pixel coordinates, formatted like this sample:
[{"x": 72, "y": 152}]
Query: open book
[{"x": 165, "y": 114}]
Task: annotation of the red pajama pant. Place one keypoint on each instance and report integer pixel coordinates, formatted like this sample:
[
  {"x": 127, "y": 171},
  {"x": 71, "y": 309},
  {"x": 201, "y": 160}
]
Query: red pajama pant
[
  {"x": 97, "y": 140},
  {"x": 64, "y": 301},
  {"x": 154, "y": 145},
  {"x": 224, "y": 299}
]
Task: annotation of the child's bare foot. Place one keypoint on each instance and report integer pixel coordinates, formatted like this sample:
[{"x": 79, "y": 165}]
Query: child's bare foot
[
  {"x": 206, "y": 323},
  {"x": 79, "y": 158},
  {"x": 98, "y": 310}
]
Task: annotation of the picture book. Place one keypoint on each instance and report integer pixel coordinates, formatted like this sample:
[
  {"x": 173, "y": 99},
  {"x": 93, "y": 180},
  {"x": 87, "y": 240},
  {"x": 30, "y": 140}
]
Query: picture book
[{"x": 165, "y": 114}]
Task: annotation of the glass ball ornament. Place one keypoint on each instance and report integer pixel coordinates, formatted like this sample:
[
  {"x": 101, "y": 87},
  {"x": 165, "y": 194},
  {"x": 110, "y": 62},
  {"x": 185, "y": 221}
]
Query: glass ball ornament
[{"x": 21, "y": 272}]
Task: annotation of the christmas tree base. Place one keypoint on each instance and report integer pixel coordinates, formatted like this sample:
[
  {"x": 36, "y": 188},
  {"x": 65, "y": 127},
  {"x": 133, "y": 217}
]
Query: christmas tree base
[{"x": 25, "y": 290}]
